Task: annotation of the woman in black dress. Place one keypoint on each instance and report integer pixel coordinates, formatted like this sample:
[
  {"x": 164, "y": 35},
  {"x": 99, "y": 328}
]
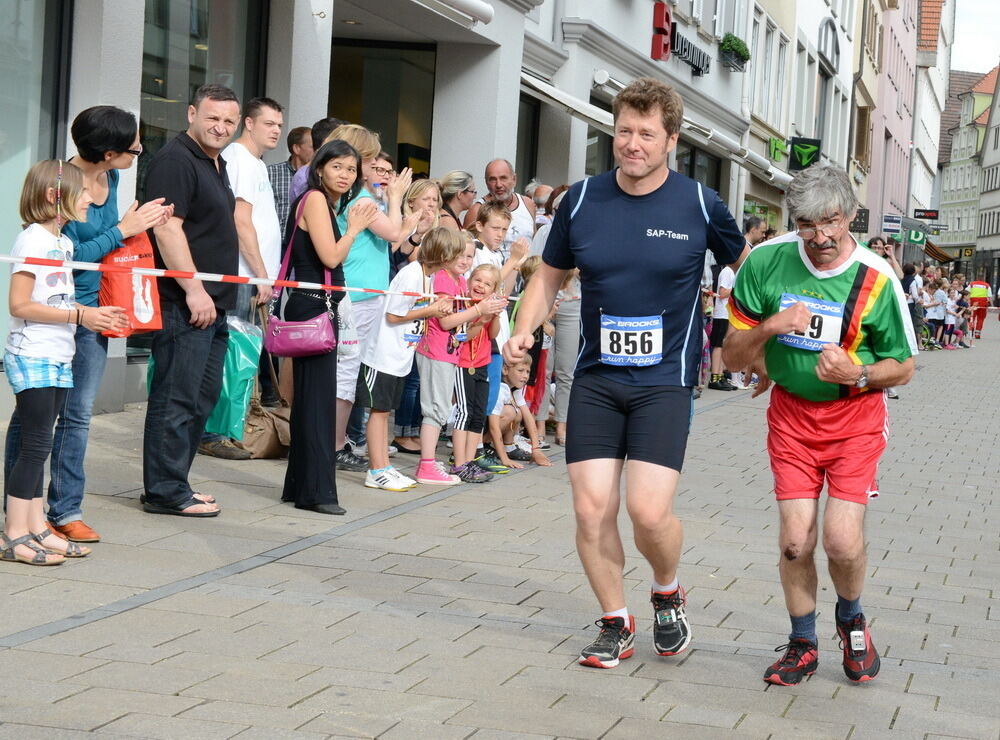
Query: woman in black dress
[{"x": 319, "y": 249}]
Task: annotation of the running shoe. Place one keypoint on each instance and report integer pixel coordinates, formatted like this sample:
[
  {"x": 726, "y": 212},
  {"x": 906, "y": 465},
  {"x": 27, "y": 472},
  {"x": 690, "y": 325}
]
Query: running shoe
[
  {"x": 891, "y": 393},
  {"x": 800, "y": 660},
  {"x": 861, "y": 661},
  {"x": 388, "y": 479},
  {"x": 471, "y": 473},
  {"x": 433, "y": 473},
  {"x": 722, "y": 385},
  {"x": 519, "y": 455},
  {"x": 671, "y": 631},
  {"x": 543, "y": 444},
  {"x": 613, "y": 643},
  {"x": 362, "y": 449},
  {"x": 522, "y": 442},
  {"x": 347, "y": 460},
  {"x": 489, "y": 462}
]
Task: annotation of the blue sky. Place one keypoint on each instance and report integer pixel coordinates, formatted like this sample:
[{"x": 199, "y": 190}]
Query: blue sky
[{"x": 977, "y": 43}]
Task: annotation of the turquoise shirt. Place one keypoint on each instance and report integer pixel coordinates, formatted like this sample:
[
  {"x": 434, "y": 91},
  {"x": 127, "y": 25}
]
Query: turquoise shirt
[
  {"x": 93, "y": 239},
  {"x": 367, "y": 263}
]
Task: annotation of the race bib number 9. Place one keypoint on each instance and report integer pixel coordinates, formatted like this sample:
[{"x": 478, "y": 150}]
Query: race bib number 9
[
  {"x": 631, "y": 341},
  {"x": 825, "y": 323}
]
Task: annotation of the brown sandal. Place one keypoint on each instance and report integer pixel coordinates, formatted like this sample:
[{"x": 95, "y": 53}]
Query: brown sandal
[
  {"x": 41, "y": 556},
  {"x": 73, "y": 550}
]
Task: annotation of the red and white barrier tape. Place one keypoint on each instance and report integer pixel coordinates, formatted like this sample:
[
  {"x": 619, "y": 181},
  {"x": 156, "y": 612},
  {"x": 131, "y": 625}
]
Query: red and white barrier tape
[{"x": 208, "y": 277}]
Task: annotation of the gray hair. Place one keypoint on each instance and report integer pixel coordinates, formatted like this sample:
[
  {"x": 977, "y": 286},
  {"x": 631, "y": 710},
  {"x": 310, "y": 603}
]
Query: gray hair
[
  {"x": 454, "y": 183},
  {"x": 818, "y": 192}
]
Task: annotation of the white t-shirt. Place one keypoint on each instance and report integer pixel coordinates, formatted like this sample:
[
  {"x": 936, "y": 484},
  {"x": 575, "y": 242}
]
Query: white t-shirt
[
  {"x": 727, "y": 279},
  {"x": 507, "y": 397},
  {"x": 522, "y": 223},
  {"x": 486, "y": 256},
  {"x": 53, "y": 287},
  {"x": 538, "y": 241},
  {"x": 249, "y": 181},
  {"x": 391, "y": 352},
  {"x": 937, "y": 312},
  {"x": 951, "y": 306}
]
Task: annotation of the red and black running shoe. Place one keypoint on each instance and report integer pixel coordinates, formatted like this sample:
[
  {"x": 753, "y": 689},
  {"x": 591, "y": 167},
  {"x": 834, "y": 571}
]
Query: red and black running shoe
[
  {"x": 613, "y": 644},
  {"x": 861, "y": 661},
  {"x": 800, "y": 660}
]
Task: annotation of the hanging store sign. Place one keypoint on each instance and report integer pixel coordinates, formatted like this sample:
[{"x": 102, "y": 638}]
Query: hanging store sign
[
  {"x": 804, "y": 152},
  {"x": 668, "y": 41},
  {"x": 776, "y": 149}
]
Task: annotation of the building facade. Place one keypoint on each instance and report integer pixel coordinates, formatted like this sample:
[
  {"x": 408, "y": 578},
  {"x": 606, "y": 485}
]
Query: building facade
[
  {"x": 987, "y": 254},
  {"x": 935, "y": 36},
  {"x": 961, "y": 176}
]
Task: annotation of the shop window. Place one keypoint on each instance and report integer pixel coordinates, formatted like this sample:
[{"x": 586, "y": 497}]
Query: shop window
[
  {"x": 186, "y": 44},
  {"x": 387, "y": 87},
  {"x": 34, "y": 65},
  {"x": 699, "y": 165},
  {"x": 526, "y": 162},
  {"x": 600, "y": 150}
]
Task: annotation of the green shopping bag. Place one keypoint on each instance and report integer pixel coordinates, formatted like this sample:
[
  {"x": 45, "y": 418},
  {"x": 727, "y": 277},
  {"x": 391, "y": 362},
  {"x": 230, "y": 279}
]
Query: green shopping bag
[{"x": 238, "y": 373}]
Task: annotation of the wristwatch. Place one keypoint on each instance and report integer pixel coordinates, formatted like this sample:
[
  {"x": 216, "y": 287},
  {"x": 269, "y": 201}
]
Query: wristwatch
[{"x": 862, "y": 381}]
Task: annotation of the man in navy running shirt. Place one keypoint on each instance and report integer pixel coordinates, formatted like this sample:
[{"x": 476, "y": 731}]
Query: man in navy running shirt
[{"x": 638, "y": 235}]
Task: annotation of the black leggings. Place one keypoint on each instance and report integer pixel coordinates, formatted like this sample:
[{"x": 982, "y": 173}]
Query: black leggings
[{"x": 37, "y": 409}]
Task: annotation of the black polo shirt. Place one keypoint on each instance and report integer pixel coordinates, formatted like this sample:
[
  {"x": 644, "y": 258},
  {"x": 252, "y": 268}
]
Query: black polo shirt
[{"x": 188, "y": 178}]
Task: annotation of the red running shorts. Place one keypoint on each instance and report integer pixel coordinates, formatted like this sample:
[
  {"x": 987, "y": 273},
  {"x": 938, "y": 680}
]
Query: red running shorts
[{"x": 839, "y": 441}]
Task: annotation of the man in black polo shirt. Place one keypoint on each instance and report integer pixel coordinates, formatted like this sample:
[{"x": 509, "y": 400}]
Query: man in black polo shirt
[{"x": 188, "y": 353}]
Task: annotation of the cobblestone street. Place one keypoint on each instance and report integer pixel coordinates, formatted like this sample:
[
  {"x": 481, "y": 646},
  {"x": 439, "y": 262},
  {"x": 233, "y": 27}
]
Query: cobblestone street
[{"x": 459, "y": 613}]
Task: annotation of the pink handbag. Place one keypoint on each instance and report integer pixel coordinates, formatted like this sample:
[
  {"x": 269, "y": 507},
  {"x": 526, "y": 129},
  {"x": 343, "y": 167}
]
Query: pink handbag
[{"x": 315, "y": 336}]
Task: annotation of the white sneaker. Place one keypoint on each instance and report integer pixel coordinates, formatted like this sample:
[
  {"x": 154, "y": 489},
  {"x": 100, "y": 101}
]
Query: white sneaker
[
  {"x": 388, "y": 479},
  {"x": 392, "y": 450},
  {"x": 523, "y": 443}
]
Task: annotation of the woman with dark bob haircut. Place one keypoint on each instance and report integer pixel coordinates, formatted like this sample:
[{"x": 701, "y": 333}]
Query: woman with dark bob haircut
[
  {"x": 107, "y": 140},
  {"x": 318, "y": 250}
]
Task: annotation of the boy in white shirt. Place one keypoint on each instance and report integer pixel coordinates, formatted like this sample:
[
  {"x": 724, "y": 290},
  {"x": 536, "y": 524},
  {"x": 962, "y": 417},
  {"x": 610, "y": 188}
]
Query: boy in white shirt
[
  {"x": 510, "y": 411},
  {"x": 386, "y": 362}
]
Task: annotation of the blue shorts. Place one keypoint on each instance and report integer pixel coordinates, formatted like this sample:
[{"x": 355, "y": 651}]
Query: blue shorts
[{"x": 36, "y": 372}]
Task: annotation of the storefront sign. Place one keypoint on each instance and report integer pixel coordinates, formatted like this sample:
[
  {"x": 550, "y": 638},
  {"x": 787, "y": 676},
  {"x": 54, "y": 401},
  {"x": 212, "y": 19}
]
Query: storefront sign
[
  {"x": 662, "y": 21},
  {"x": 892, "y": 224},
  {"x": 924, "y": 213},
  {"x": 690, "y": 54},
  {"x": 915, "y": 237},
  {"x": 860, "y": 223},
  {"x": 667, "y": 41},
  {"x": 776, "y": 149},
  {"x": 968, "y": 252},
  {"x": 804, "y": 152}
]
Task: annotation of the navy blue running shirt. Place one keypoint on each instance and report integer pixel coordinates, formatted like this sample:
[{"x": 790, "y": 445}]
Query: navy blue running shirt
[{"x": 641, "y": 261}]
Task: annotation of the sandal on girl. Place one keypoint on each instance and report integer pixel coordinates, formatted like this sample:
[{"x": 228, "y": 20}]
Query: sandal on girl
[
  {"x": 72, "y": 550},
  {"x": 41, "y": 556}
]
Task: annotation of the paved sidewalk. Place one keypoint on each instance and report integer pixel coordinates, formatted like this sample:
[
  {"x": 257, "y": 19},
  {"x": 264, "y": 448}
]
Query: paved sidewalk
[{"x": 459, "y": 613}]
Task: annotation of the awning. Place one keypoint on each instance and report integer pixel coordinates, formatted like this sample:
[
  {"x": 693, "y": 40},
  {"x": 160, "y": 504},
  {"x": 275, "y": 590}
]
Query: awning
[
  {"x": 704, "y": 135},
  {"x": 936, "y": 253},
  {"x": 594, "y": 116}
]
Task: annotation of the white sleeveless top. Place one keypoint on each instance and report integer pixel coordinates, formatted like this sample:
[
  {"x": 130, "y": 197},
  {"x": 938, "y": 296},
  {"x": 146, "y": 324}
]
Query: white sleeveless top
[{"x": 522, "y": 224}]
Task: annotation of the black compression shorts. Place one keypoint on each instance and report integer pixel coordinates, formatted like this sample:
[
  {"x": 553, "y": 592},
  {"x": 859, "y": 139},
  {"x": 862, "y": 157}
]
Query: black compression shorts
[{"x": 613, "y": 420}]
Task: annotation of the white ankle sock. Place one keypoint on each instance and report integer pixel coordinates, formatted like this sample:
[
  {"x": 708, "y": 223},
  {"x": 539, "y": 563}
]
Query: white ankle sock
[
  {"x": 623, "y": 613},
  {"x": 661, "y": 589}
]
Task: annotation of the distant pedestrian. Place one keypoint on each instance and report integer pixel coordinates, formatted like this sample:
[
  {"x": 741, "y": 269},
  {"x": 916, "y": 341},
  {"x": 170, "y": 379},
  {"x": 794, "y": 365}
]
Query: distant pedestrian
[{"x": 300, "y": 154}]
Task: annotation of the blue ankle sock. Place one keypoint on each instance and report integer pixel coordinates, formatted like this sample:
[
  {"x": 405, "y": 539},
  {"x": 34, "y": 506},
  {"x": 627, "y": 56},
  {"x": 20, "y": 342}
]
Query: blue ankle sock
[
  {"x": 804, "y": 627},
  {"x": 848, "y": 609}
]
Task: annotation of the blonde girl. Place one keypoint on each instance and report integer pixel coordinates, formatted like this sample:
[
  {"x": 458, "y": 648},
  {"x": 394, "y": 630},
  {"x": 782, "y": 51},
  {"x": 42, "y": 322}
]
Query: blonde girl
[{"x": 38, "y": 358}]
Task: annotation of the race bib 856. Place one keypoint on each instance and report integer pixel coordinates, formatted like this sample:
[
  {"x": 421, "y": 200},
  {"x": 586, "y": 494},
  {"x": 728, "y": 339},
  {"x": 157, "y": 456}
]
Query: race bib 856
[
  {"x": 631, "y": 341},
  {"x": 825, "y": 323}
]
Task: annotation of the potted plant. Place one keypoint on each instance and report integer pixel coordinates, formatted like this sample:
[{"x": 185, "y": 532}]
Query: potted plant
[{"x": 734, "y": 52}]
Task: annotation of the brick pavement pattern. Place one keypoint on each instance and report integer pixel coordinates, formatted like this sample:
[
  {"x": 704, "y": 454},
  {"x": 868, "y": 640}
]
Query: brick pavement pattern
[{"x": 459, "y": 613}]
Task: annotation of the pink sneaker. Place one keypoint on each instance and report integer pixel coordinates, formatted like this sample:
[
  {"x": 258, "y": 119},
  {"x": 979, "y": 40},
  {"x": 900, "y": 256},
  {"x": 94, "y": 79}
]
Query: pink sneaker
[{"x": 433, "y": 473}]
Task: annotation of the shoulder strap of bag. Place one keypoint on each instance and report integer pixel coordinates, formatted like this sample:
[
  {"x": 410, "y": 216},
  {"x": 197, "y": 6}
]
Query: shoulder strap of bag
[{"x": 285, "y": 261}]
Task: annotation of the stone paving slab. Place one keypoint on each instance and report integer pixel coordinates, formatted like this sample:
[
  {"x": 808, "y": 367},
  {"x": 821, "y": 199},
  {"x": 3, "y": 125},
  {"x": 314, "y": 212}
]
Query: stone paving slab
[{"x": 459, "y": 613}]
